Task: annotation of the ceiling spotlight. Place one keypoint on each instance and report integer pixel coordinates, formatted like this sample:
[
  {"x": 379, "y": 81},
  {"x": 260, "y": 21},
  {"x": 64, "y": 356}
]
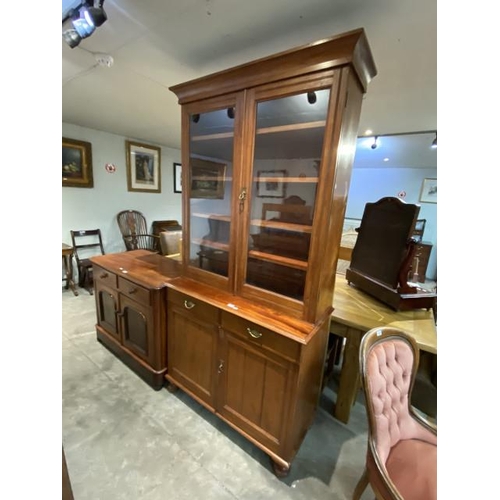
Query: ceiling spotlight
[
  {"x": 434, "y": 144},
  {"x": 374, "y": 145},
  {"x": 82, "y": 21},
  {"x": 311, "y": 97}
]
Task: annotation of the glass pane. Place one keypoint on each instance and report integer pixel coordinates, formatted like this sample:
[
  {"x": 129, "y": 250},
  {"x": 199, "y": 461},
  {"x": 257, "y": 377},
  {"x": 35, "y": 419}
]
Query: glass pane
[
  {"x": 288, "y": 146},
  {"x": 210, "y": 169}
]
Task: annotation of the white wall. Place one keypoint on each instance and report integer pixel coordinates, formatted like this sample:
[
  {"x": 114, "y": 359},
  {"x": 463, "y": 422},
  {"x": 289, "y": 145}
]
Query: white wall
[
  {"x": 92, "y": 208},
  {"x": 371, "y": 184}
]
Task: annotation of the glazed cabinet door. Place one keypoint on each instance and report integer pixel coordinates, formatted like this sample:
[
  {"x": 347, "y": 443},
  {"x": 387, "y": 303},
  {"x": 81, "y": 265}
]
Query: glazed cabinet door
[
  {"x": 107, "y": 309},
  {"x": 256, "y": 387},
  {"x": 210, "y": 181},
  {"x": 137, "y": 327},
  {"x": 192, "y": 346},
  {"x": 288, "y": 124}
]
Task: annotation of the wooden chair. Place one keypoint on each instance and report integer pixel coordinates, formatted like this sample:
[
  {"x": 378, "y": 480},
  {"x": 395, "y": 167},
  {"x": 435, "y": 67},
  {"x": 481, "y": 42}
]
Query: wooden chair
[
  {"x": 134, "y": 231},
  {"x": 86, "y": 244},
  {"x": 401, "y": 460}
]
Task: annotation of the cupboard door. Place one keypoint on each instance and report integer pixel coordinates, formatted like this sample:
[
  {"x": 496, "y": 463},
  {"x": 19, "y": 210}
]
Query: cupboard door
[
  {"x": 192, "y": 348},
  {"x": 107, "y": 309},
  {"x": 209, "y": 186},
  {"x": 137, "y": 328},
  {"x": 287, "y": 155},
  {"x": 255, "y": 390}
]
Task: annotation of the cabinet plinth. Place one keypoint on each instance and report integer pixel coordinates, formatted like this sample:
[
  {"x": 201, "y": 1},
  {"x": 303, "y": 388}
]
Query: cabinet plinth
[{"x": 267, "y": 150}]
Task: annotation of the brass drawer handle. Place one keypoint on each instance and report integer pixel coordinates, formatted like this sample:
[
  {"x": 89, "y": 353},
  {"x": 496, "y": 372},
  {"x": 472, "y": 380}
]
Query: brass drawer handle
[
  {"x": 188, "y": 304},
  {"x": 254, "y": 333},
  {"x": 104, "y": 275},
  {"x": 132, "y": 291}
]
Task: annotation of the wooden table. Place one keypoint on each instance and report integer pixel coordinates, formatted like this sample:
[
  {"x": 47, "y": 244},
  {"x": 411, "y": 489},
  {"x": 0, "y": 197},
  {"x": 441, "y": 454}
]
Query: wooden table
[
  {"x": 356, "y": 312},
  {"x": 67, "y": 257}
]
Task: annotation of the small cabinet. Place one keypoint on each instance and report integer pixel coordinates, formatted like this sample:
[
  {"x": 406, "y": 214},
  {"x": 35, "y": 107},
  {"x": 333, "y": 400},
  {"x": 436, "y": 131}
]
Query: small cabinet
[{"x": 131, "y": 315}]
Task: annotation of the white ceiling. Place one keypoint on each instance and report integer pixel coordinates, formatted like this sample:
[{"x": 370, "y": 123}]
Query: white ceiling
[{"x": 159, "y": 43}]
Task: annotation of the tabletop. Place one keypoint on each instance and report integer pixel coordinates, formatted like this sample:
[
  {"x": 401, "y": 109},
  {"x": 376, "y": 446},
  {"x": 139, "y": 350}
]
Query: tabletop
[{"x": 355, "y": 308}]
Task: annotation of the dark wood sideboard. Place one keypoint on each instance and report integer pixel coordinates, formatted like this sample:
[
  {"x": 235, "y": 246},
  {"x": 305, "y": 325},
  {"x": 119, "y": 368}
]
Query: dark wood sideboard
[{"x": 131, "y": 309}]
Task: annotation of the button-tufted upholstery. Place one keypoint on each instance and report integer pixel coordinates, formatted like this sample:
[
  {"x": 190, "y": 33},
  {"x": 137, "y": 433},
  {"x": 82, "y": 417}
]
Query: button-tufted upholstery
[{"x": 402, "y": 451}]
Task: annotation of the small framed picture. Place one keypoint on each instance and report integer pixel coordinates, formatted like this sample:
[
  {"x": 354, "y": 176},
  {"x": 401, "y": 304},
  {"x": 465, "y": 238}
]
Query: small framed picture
[
  {"x": 143, "y": 167},
  {"x": 428, "y": 193},
  {"x": 271, "y": 183},
  {"x": 177, "y": 178},
  {"x": 207, "y": 179},
  {"x": 76, "y": 163}
]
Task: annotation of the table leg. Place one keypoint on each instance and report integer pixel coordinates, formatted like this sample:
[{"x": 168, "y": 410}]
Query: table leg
[
  {"x": 68, "y": 268},
  {"x": 349, "y": 376}
]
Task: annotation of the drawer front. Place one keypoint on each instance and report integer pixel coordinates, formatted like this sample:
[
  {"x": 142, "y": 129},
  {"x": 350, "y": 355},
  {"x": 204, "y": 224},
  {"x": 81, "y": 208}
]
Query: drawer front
[
  {"x": 423, "y": 251},
  {"x": 260, "y": 336},
  {"x": 195, "y": 308},
  {"x": 105, "y": 277},
  {"x": 135, "y": 292}
]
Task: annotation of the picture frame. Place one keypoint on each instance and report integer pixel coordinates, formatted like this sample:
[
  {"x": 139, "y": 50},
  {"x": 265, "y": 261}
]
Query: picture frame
[
  {"x": 271, "y": 183},
  {"x": 77, "y": 163},
  {"x": 143, "y": 167},
  {"x": 177, "y": 178},
  {"x": 428, "y": 193},
  {"x": 207, "y": 179}
]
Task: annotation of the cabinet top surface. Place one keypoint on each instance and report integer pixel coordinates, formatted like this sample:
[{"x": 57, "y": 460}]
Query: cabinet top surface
[
  {"x": 288, "y": 326},
  {"x": 140, "y": 266},
  {"x": 350, "y": 48}
]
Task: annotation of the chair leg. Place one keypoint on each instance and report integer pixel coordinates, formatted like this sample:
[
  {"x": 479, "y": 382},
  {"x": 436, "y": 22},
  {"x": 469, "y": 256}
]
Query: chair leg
[{"x": 361, "y": 486}]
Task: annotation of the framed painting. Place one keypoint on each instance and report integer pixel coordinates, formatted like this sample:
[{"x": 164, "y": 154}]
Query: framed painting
[
  {"x": 428, "y": 193},
  {"x": 143, "y": 167},
  {"x": 207, "y": 179},
  {"x": 76, "y": 163},
  {"x": 271, "y": 183},
  {"x": 177, "y": 178}
]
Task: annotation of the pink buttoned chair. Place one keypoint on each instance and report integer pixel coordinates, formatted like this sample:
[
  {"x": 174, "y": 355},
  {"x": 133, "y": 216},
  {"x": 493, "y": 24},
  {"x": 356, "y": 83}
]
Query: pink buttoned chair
[{"x": 401, "y": 459}]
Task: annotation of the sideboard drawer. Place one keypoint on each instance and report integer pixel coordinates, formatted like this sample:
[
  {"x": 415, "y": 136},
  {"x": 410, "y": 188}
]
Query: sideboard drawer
[
  {"x": 194, "y": 307},
  {"x": 261, "y": 336},
  {"x": 135, "y": 292},
  {"x": 105, "y": 277}
]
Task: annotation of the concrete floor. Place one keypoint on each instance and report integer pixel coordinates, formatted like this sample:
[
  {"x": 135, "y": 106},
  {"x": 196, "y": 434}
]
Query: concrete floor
[{"x": 123, "y": 440}]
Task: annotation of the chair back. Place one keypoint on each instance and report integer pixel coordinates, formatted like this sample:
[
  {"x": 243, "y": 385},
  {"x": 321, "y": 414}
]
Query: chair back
[
  {"x": 131, "y": 222},
  {"x": 133, "y": 228},
  {"x": 389, "y": 360},
  {"x": 86, "y": 243}
]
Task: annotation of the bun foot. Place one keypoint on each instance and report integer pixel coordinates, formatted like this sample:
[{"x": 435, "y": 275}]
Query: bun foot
[{"x": 279, "y": 469}]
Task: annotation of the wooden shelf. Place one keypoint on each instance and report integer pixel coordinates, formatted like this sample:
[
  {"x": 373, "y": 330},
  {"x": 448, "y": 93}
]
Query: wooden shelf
[
  {"x": 286, "y": 179},
  {"x": 293, "y": 126},
  {"x": 211, "y": 244},
  {"x": 226, "y": 218},
  {"x": 285, "y": 226},
  {"x": 278, "y": 259},
  {"x": 264, "y": 130}
]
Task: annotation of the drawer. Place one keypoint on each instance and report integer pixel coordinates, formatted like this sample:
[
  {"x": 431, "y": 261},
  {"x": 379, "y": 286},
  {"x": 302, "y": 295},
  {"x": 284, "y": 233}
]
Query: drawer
[
  {"x": 194, "y": 307},
  {"x": 135, "y": 292},
  {"x": 260, "y": 336},
  {"x": 104, "y": 277}
]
